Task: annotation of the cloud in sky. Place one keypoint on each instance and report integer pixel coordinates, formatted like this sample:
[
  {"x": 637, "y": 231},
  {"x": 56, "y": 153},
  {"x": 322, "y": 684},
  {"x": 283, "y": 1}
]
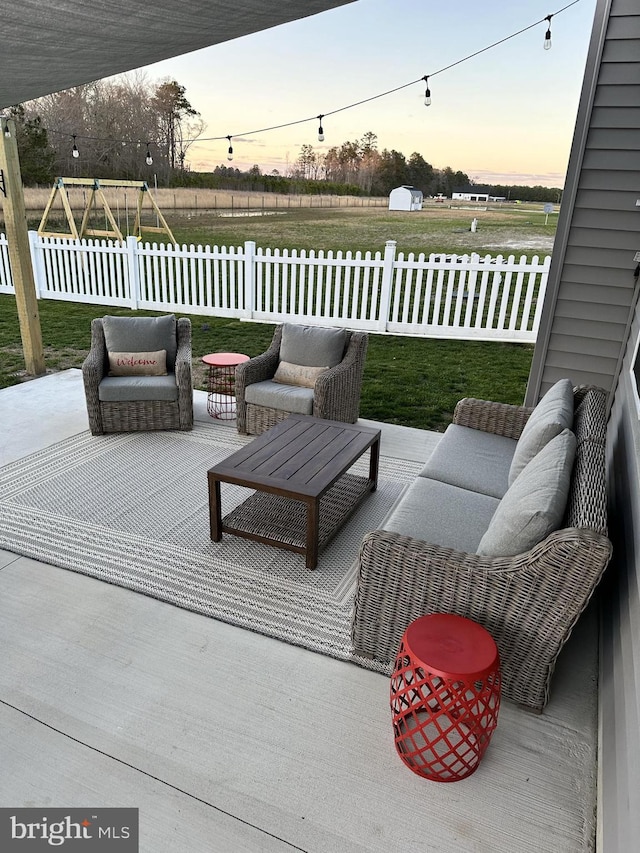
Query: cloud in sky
[{"x": 508, "y": 111}]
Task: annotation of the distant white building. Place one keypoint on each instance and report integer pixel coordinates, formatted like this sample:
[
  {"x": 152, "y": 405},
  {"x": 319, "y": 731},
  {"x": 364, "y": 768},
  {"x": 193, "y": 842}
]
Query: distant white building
[
  {"x": 471, "y": 194},
  {"x": 405, "y": 198},
  {"x": 475, "y": 194}
]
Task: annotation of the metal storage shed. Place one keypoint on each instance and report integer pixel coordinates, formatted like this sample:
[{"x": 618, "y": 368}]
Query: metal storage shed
[{"x": 405, "y": 198}]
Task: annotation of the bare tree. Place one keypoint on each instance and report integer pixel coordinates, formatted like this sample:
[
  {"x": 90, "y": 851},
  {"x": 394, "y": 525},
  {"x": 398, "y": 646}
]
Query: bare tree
[
  {"x": 180, "y": 123},
  {"x": 307, "y": 165},
  {"x": 118, "y": 126}
]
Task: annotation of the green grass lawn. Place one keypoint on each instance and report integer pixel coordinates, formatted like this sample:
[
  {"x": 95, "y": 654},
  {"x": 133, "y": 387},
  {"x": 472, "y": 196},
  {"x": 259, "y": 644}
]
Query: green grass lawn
[
  {"x": 410, "y": 381},
  {"x": 499, "y": 232},
  {"x": 508, "y": 230}
]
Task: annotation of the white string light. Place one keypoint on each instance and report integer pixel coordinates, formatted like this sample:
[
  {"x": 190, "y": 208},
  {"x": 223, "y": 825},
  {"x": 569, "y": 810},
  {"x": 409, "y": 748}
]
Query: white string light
[
  {"x": 148, "y": 159},
  {"x": 547, "y": 35},
  {"x": 427, "y": 94},
  {"x": 74, "y": 151},
  {"x": 320, "y": 130},
  {"x": 230, "y": 151}
]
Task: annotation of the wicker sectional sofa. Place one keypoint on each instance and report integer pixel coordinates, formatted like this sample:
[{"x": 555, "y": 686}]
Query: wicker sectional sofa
[{"x": 426, "y": 558}]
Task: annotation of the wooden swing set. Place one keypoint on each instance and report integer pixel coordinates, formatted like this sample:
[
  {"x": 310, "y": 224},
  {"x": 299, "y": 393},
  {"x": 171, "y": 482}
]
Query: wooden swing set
[{"x": 97, "y": 196}]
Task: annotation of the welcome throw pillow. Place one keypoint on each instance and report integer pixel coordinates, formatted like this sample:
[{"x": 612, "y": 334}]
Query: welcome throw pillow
[{"x": 138, "y": 363}]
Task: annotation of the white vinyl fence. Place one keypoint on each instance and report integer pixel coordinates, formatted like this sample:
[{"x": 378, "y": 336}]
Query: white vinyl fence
[{"x": 453, "y": 296}]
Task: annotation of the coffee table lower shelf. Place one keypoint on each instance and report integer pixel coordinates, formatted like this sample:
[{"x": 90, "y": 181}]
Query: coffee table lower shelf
[{"x": 282, "y": 521}]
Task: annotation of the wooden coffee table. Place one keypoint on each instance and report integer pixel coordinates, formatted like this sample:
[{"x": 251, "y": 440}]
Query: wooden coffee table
[{"x": 303, "y": 494}]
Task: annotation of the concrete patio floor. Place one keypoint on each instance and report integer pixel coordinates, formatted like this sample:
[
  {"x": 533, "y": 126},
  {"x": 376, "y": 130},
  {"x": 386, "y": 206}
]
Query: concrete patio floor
[{"x": 230, "y": 741}]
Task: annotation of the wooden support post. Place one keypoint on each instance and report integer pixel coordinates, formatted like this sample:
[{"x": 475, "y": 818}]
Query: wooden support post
[{"x": 15, "y": 219}]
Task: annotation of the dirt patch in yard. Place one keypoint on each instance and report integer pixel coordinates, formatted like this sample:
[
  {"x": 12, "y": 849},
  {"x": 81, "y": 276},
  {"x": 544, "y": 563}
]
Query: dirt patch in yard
[{"x": 543, "y": 244}]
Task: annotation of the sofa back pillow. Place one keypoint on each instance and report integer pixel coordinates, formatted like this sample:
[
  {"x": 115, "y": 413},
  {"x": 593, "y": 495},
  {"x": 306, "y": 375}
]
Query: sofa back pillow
[
  {"x": 297, "y": 374},
  {"x": 534, "y": 506},
  {"x": 312, "y": 346},
  {"x": 553, "y": 413}
]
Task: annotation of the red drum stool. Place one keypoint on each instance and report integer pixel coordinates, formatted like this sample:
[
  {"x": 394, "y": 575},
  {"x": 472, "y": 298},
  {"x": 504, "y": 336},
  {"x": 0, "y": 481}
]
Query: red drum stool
[{"x": 445, "y": 696}]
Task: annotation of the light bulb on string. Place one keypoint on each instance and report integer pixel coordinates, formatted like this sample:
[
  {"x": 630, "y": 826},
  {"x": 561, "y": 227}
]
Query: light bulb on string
[
  {"x": 427, "y": 94},
  {"x": 320, "y": 130},
  {"x": 230, "y": 151},
  {"x": 547, "y": 35},
  {"x": 7, "y": 132},
  {"x": 148, "y": 158},
  {"x": 74, "y": 151}
]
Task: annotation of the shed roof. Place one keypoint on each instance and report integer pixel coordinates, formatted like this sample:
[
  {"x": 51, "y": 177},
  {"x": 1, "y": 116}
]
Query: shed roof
[{"x": 408, "y": 187}]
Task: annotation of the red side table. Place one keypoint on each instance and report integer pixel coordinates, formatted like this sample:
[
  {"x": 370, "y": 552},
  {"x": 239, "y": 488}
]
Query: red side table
[
  {"x": 221, "y": 401},
  {"x": 445, "y": 696}
]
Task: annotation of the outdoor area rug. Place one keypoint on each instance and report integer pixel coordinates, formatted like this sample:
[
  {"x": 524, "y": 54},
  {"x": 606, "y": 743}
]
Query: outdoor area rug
[{"x": 132, "y": 509}]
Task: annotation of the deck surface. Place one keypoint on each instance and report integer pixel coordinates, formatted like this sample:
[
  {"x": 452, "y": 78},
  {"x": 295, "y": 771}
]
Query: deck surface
[{"x": 230, "y": 741}]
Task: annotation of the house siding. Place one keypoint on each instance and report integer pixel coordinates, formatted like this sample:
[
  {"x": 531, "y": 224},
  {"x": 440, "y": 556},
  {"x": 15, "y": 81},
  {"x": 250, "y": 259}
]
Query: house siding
[
  {"x": 619, "y": 713},
  {"x": 590, "y": 328},
  {"x": 591, "y": 285}
]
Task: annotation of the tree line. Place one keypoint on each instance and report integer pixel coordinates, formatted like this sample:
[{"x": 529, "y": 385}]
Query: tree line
[
  {"x": 360, "y": 164},
  {"x": 127, "y": 128}
]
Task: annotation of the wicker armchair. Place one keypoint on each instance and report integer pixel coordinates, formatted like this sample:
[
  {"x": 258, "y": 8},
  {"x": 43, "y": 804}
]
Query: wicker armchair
[
  {"x": 336, "y": 393},
  {"x": 529, "y": 602},
  {"x": 115, "y": 405}
]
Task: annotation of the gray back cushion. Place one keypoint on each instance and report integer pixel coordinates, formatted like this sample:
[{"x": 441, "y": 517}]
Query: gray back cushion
[
  {"x": 142, "y": 334},
  {"x": 534, "y": 506},
  {"x": 472, "y": 459},
  {"x": 312, "y": 346},
  {"x": 552, "y": 414}
]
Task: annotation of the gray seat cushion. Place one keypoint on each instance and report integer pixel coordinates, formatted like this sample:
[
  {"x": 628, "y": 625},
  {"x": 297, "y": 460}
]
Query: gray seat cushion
[
  {"x": 534, "y": 505},
  {"x": 312, "y": 346},
  {"x": 442, "y": 514},
  {"x": 553, "y": 413},
  {"x": 472, "y": 459},
  {"x": 131, "y": 389},
  {"x": 142, "y": 334},
  {"x": 275, "y": 395}
]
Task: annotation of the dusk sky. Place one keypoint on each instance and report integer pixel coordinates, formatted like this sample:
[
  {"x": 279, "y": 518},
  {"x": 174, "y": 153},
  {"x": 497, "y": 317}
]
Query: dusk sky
[{"x": 505, "y": 116}]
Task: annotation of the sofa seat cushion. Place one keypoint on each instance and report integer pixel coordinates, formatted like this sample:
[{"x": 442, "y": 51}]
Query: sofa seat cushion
[
  {"x": 130, "y": 389},
  {"x": 472, "y": 459},
  {"x": 442, "y": 514},
  {"x": 553, "y": 413},
  {"x": 142, "y": 334},
  {"x": 275, "y": 395},
  {"x": 312, "y": 346},
  {"x": 534, "y": 505}
]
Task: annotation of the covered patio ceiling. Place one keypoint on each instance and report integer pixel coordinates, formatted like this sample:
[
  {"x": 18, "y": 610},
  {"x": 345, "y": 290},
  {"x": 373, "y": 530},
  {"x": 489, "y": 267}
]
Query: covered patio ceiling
[{"x": 51, "y": 45}]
